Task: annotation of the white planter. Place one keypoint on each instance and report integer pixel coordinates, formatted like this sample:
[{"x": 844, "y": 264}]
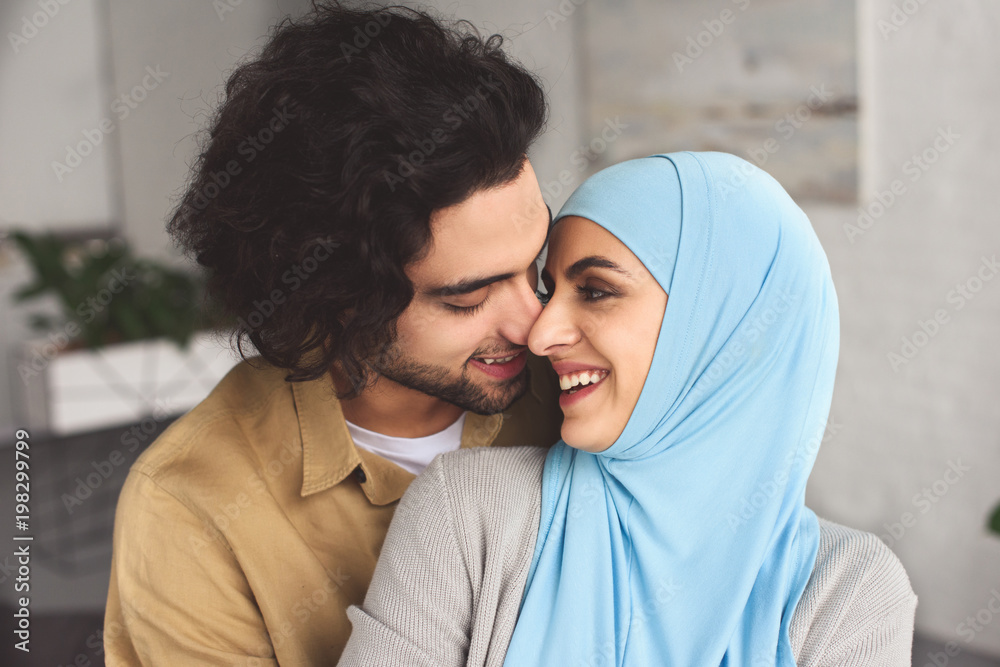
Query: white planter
[{"x": 85, "y": 390}]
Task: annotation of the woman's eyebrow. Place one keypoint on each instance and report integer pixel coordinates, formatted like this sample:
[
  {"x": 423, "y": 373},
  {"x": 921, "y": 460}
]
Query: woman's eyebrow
[
  {"x": 581, "y": 265},
  {"x": 594, "y": 261}
]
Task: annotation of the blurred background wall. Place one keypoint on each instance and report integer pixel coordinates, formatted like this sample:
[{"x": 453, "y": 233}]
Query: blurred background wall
[
  {"x": 873, "y": 114},
  {"x": 914, "y": 261}
]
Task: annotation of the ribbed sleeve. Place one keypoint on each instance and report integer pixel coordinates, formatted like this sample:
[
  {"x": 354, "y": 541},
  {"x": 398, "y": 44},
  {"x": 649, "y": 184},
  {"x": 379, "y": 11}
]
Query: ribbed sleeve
[
  {"x": 858, "y": 607},
  {"x": 449, "y": 580},
  {"x": 418, "y": 608}
]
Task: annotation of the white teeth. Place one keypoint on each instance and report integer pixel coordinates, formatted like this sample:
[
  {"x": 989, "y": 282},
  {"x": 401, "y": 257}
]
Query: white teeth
[
  {"x": 582, "y": 379},
  {"x": 498, "y": 361}
]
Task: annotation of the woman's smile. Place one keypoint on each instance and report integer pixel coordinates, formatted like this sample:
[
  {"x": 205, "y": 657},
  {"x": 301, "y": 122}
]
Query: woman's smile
[
  {"x": 577, "y": 380},
  {"x": 577, "y": 393}
]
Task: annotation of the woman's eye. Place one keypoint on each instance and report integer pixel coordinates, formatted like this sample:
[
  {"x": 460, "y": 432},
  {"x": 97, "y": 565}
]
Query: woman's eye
[{"x": 592, "y": 293}]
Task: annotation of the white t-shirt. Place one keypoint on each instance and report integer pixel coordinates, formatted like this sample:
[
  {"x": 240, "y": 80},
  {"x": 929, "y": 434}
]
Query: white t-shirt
[{"x": 412, "y": 454}]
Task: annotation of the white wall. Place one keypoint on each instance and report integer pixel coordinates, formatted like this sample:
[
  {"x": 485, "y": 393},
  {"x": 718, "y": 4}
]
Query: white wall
[
  {"x": 903, "y": 427},
  {"x": 57, "y": 165}
]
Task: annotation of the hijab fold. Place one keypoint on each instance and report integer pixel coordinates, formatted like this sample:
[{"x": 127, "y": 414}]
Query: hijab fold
[{"x": 687, "y": 541}]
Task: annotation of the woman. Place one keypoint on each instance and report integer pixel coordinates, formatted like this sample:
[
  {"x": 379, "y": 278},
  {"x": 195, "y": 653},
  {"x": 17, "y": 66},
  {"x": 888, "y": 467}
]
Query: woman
[{"x": 692, "y": 319}]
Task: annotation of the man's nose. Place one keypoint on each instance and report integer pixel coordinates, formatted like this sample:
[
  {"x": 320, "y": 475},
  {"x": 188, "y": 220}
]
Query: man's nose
[{"x": 524, "y": 311}]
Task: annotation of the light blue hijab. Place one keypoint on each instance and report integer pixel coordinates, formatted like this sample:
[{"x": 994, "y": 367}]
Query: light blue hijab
[{"x": 687, "y": 543}]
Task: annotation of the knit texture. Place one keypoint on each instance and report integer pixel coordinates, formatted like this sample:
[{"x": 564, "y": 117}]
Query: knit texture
[{"x": 448, "y": 584}]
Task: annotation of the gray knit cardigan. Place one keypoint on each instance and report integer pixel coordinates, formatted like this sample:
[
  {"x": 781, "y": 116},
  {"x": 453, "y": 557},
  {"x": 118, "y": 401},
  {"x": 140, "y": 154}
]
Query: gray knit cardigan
[{"x": 449, "y": 580}]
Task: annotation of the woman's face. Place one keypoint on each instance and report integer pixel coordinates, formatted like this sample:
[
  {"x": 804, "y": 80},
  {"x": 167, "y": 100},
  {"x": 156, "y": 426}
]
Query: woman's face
[{"x": 599, "y": 329}]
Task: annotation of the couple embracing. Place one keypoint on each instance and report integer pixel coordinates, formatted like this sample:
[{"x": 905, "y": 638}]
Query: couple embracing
[{"x": 587, "y": 437}]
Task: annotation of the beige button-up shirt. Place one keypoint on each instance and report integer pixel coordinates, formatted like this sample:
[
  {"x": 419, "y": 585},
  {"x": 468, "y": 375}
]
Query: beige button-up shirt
[{"x": 248, "y": 527}]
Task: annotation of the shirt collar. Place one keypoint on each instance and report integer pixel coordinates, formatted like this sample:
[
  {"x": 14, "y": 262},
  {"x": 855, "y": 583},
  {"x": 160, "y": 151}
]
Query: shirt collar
[{"x": 329, "y": 455}]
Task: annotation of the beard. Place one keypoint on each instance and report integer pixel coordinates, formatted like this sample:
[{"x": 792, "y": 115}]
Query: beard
[{"x": 483, "y": 399}]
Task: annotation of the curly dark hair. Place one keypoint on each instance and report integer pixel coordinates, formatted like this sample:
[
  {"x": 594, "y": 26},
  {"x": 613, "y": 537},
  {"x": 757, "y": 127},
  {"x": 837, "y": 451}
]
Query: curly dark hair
[{"x": 330, "y": 151}]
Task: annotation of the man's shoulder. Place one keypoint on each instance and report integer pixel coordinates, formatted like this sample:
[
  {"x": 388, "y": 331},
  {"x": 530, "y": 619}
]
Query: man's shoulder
[{"x": 220, "y": 429}]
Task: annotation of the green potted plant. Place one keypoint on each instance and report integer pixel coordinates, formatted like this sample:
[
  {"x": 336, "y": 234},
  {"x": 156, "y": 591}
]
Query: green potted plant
[{"x": 131, "y": 337}]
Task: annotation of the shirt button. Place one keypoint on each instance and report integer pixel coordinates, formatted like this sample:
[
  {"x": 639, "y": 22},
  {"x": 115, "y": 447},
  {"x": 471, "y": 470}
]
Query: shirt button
[{"x": 360, "y": 475}]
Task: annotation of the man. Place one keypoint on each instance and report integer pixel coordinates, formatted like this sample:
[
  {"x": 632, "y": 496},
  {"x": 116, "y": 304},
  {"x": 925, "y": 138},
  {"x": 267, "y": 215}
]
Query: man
[{"x": 366, "y": 212}]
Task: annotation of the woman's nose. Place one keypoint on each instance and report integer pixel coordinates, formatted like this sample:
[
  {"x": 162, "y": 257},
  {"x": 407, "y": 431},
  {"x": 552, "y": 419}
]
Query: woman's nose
[{"x": 553, "y": 330}]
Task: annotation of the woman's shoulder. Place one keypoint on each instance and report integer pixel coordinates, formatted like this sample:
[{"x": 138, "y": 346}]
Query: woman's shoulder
[
  {"x": 858, "y": 597},
  {"x": 485, "y": 498},
  {"x": 482, "y": 485},
  {"x": 526, "y": 457},
  {"x": 855, "y": 562},
  {"x": 491, "y": 471},
  {"x": 495, "y": 492}
]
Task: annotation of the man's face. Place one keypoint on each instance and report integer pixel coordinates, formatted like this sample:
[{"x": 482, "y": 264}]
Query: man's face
[{"x": 464, "y": 336}]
